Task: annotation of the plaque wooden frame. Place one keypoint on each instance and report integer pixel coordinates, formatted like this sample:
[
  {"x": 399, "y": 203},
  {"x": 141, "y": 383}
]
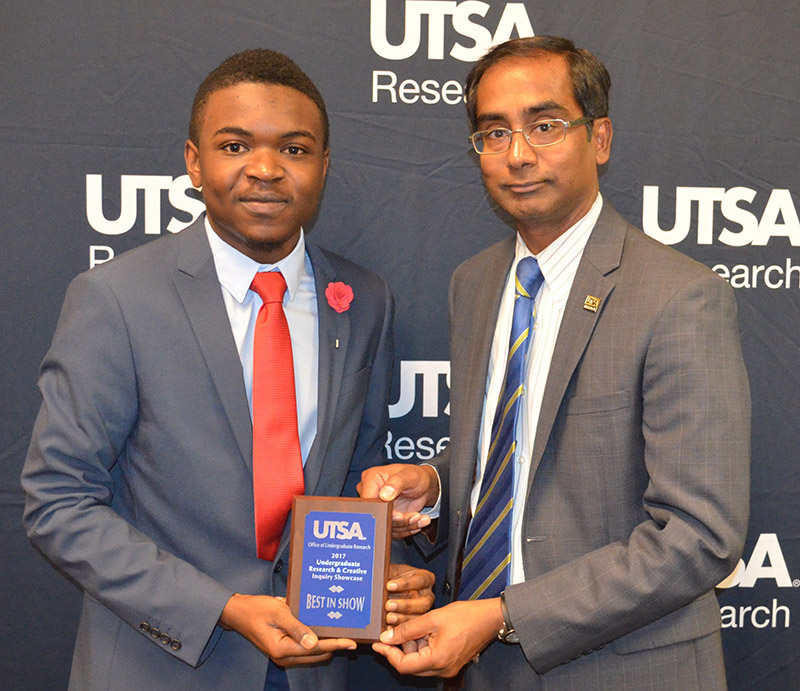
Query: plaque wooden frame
[{"x": 381, "y": 511}]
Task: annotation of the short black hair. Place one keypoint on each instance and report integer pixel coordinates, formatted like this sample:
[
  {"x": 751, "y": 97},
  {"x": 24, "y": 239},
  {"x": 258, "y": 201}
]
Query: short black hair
[
  {"x": 256, "y": 66},
  {"x": 590, "y": 79}
]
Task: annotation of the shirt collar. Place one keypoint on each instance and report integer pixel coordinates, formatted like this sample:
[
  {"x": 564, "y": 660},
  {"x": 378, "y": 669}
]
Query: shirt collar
[
  {"x": 559, "y": 260},
  {"x": 236, "y": 270}
]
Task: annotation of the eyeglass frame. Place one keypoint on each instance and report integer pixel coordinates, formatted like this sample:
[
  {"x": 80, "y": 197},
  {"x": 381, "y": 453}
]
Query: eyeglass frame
[{"x": 568, "y": 124}]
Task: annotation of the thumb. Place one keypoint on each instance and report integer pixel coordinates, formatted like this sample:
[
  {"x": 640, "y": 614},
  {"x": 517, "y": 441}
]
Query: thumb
[
  {"x": 408, "y": 481},
  {"x": 297, "y": 630},
  {"x": 391, "y": 489},
  {"x": 411, "y": 630},
  {"x": 384, "y": 482}
]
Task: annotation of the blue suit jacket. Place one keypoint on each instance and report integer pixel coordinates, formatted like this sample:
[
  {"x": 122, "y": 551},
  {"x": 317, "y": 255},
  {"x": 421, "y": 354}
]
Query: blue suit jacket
[{"x": 139, "y": 474}]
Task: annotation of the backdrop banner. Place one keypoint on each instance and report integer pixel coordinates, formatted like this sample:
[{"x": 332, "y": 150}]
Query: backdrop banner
[{"x": 94, "y": 115}]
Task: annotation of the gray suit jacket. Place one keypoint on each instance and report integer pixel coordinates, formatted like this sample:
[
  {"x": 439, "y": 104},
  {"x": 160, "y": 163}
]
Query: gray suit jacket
[
  {"x": 638, "y": 497},
  {"x": 139, "y": 474}
]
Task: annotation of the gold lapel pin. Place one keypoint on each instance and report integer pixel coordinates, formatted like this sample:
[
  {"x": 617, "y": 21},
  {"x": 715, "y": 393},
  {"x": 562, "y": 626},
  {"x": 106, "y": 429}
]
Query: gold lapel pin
[{"x": 591, "y": 303}]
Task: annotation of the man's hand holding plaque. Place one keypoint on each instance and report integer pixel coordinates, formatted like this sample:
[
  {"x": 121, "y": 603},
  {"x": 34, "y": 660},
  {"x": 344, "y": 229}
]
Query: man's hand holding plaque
[
  {"x": 269, "y": 625},
  {"x": 410, "y": 489},
  {"x": 341, "y": 584},
  {"x": 410, "y": 593}
]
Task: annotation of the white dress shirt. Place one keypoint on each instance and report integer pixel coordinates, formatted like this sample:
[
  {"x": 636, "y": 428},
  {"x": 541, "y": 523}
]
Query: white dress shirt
[
  {"x": 559, "y": 264},
  {"x": 236, "y": 271}
]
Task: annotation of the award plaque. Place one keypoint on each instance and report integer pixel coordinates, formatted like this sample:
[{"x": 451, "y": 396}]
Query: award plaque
[{"x": 339, "y": 564}]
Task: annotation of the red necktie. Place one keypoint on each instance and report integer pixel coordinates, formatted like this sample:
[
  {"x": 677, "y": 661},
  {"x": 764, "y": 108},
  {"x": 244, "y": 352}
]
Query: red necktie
[{"x": 277, "y": 464}]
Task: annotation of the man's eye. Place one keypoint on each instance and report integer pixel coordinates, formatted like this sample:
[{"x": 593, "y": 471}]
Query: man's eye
[
  {"x": 233, "y": 147},
  {"x": 497, "y": 133},
  {"x": 543, "y": 127},
  {"x": 294, "y": 150}
]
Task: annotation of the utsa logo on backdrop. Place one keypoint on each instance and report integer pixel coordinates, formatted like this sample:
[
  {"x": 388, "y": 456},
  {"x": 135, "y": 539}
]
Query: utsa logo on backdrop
[
  {"x": 463, "y": 31},
  {"x": 742, "y": 225},
  {"x": 179, "y": 194},
  {"x": 766, "y": 567},
  {"x": 426, "y": 382}
]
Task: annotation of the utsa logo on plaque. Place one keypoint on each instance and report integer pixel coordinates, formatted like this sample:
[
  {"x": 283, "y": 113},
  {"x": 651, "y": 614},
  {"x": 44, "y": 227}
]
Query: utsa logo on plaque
[
  {"x": 338, "y": 530},
  {"x": 462, "y": 30},
  {"x": 152, "y": 187}
]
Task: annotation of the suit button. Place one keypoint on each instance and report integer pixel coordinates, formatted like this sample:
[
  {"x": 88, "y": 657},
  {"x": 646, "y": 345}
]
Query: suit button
[
  {"x": 279, "y": 566},
  {"x": 144, "y": 626},
  {"x": 165, "y": 639},
  {"x": 154, "y": 632},
  {"x": 176, "y": 644},
  {"x": 447, "y": 588}
]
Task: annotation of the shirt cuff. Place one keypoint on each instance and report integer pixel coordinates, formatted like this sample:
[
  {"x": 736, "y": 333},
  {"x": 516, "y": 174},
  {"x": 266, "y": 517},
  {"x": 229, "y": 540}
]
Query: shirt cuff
[{"x": 433, "y": 512}]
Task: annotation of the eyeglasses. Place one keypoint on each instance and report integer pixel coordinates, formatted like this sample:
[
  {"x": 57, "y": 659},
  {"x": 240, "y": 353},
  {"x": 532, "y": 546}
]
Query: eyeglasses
[{"x": 540, "y": 133}]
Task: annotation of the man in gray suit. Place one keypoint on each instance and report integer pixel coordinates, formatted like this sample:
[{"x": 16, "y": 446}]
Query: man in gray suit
[
  {"x": 140, "y": 474},
  {"x": 621, "y": 493}
]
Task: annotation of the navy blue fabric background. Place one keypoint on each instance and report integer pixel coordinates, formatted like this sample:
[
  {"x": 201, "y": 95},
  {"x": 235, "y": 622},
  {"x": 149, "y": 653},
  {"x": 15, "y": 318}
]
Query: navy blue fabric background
[{"x": 705, "y": 101}]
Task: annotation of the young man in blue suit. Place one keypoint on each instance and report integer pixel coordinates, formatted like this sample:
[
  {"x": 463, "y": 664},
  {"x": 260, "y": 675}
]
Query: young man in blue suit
[
  {"x": 595, "y": 491},
  {"x": 140, "y": 474}
]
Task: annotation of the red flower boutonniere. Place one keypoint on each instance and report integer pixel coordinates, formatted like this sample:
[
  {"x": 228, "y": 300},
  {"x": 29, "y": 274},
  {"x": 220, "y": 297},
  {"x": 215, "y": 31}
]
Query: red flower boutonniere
[{"x": 339, "y": 296}]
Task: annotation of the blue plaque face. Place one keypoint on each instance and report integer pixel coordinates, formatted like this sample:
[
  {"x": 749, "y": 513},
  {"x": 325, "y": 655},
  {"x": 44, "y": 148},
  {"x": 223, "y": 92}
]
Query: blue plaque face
[{"x": 337, "y": 569}]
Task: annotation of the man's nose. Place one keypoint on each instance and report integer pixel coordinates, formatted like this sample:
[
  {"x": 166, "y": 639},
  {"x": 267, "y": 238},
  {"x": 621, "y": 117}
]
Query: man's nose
[
  {"x": 264, "y": 164},
  {"x": 519, "y": 151}
]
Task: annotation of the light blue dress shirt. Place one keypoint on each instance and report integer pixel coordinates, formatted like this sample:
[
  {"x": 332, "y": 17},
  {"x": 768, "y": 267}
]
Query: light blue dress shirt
[{"x": 236, "y": 271}]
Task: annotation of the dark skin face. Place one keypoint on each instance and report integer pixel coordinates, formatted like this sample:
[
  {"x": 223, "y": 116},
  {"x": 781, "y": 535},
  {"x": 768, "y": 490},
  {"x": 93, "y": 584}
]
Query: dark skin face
[
  {"x": 546, "y": 190},
  {"x": 261, "y": 163}
]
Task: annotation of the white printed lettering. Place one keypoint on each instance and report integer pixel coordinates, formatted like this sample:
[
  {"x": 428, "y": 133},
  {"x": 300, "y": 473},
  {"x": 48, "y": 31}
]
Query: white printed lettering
[
  {"x": 153, "y": 186},
  {"x": 430, "y": 371},
  {"x": 514, "y": 19},
  {"x": 779, "y": 218},
  {"x": 94, "y": 255}
]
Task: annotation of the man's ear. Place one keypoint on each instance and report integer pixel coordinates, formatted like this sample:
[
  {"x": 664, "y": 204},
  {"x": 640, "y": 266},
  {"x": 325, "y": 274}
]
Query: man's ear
[
  {"x": 326, "y": 159},
  {"x": 602, "y": 133},
  {"x": 192, "y": 157}
]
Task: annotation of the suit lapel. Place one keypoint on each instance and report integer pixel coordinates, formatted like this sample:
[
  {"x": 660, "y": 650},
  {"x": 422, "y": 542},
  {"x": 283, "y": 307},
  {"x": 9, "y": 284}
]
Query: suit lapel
[
  {"x": 484, "y": 311},
  {"x": 198, "y": 287},
  {"x": 594, "y": 278},
  {"x": 334, "y": 339}
]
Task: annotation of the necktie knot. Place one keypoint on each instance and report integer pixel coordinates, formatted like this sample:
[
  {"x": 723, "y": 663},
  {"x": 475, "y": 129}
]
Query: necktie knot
[
  {"x": 270, "y": 286},
  {"x": 529, "y": 278}
]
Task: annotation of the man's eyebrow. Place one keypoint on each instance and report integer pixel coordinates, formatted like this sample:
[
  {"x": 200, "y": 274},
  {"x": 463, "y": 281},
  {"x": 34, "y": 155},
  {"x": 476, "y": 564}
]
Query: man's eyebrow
[
  {"x": 543, "y": 107},
  {"x": 234, "y": 130},
  {"x": 242, "y": 132},
  {"x": 298, "y": 133},
  {"x": 529, "y": 111}
]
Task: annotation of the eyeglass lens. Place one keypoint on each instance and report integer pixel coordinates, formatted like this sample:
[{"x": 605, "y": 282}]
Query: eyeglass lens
[{"x": 542, "y": 133}]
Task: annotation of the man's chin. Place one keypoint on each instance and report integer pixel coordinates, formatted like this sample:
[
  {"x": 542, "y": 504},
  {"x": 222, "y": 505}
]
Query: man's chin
[
  {"x": 268, "y": 250},
  {"x": 527, "y": 214}
]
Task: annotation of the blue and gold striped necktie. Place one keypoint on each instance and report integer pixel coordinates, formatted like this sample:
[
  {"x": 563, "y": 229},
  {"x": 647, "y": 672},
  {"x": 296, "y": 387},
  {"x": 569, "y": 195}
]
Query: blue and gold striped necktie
[{"x": 487, "y": 553}]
